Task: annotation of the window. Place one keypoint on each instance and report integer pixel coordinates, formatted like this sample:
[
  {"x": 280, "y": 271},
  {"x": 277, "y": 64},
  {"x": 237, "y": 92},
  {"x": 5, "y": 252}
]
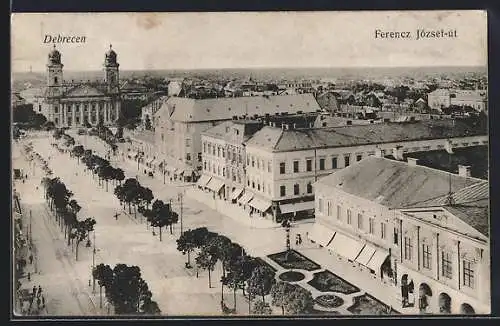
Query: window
[
  {"x": 321, "y": 163},
  {"x": 248, "y": 183},
  {"x": 349, "y": 217},
  {"x": 360, "y": 221},
  {"x": 204, "y": 147},
  {"x": 382, "y": 230},
  {"x": 199, "y": 157},
  {"x": 253, "y": 184},
  {"x": 371, "y": 225},
  {"x": 223, "y": 153},
  {"x": 339, "y": 212},
  {"x": 213, "y": 150},
  {"x": 56, "y": 109},
  {"x": 468, "y": 274},
  {"x": 258, "y": 186},
  {"x": 269, "y": 166},
  {"x": 282, "y": 191},
  {"x": 223, "y": 172},
  {"x": 263, "y": 187},
  {"x": 258, "y": 164},
  {"x": 188, "y": 156},
  {"x": 282, "y": 168},
  {"x": 309, "y": 188},
  {"x": 204, "y": 165},
  {"x": 446, "y": 269},
  {"x": 309, "y": 165},
  {"x": 346, "y": 161},
  {"x": 396, "y": 236},
  {"x": 295, "y": 166},
  {"x": 334, "y": 162},
  {"x": 426, "y": 256},
  {"x": 359, "y": 157},
  {"x": 248, "y": 160},
  {"x": 408, "y": 248},
  {"x": 296, "y": 189},
  {"x": 320, "y": 205},
  {"x": 329, "y": 208},
  {"x": 55, "y": 80},
  {"x": 253, "y": 161}
]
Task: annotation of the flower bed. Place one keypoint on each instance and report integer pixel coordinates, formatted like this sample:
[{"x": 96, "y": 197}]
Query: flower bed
[
  {"x": 367, "y": 305},
  {"x": 295, "y": 261},
  {"x": 261, "y": 262},
  {"x": 326, "y": 281},
  {"x": 292, "y": 276},
  {"x": 329, "y": 301}
]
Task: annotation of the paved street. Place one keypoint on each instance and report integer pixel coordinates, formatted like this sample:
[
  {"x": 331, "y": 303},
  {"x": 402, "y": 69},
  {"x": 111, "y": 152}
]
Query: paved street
[{"x": 129, "y": 240}]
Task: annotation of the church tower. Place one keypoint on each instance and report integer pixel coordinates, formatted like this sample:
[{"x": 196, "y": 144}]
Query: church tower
[
  {"x": 111, "y": 75},
  {"x": 112, "y": 83},
  {"x": 54, "y": 74}
]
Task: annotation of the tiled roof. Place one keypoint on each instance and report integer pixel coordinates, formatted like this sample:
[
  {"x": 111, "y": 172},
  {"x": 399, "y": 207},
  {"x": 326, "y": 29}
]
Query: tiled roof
[
  {"x": 363, "y": 134},
  {"x": 395, "y": 184},
  {"x": 465, "y": 196},
  {"x": 246, "y": 127},
  {"x": 197, "y": 110},
  {"x": 477, "y": 216}
]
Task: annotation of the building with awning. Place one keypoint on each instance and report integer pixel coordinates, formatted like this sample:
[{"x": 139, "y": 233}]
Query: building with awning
[
  {"x": 236, "y": 193},
  {"x": 346, "y": 246},
  {"x": 399, "y": 219},
  {"x": 247, "y": 196},
  {"x": 320, "y": 234},
  {"x": 260, "y": 204},
  {"x": 203, "y": 181},
  {"x": 215, "y": 185},
  {"x": 296, "y": 207}
]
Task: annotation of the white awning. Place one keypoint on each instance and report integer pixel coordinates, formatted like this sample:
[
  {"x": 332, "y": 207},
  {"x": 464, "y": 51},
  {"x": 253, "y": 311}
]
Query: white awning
[
  {"x": 320, "y": 234},
  {"x": 345, "y": 246},
  {"x": 204, "y": 179},
  {"x": 260, "y": 204},
  {"x": 366, "y": 254},
  {"x": 377, "y": 260},
  {"x": 236, "y": 193},
  {"x": 215, "y": 184},
  {"x": 296, "y": 207},
  {"x": 245, "y": 198}
]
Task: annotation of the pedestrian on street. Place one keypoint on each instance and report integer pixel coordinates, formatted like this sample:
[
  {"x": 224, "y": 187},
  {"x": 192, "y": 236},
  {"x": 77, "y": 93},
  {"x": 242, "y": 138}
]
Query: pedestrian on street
[
  {"x": 34, "y": 290},
  {"x": 300, "y": 239},
  {"x": 296, "y": 239},
  {"x": 38, "y": 301},
  {"x": 43, "y": 301},
  {"x": 39, "y": 290},
  {"x": 31, "y": 259}
]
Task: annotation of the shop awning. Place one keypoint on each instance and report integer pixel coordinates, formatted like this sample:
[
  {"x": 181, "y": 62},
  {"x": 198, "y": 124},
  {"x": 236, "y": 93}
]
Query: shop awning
[
  {"x": 320, "y": 234},
  {"x": 377, "y": 260},
  {"x": 345, "y": 246},
  {"x": 215, "y": 184},
  {"x": 366, "y": 254},
  {"x": 260, "y": 204},
  {"x": 296, "y": 207},
  {"x": 236, "y": 193},
  {"x": 245, "y": 198},
  {"x": 204, "y": 179}
]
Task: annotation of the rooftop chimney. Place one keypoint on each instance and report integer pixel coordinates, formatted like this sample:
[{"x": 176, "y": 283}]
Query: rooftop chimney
[
  {"x": 412, "y": 161},
  {"x": 378, "y": 153},
  {"x": 464, "y": 171}
]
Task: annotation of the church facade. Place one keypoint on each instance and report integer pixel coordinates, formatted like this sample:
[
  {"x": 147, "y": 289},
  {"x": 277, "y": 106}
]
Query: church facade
[{"x": 76, "y": 104}]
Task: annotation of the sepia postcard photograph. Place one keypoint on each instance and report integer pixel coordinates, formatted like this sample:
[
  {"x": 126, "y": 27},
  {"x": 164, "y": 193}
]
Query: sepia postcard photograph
[{"x": 250, "y": 164}]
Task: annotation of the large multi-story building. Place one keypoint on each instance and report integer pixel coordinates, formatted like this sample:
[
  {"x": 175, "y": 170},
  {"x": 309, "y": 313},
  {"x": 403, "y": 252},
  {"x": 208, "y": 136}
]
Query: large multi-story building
[
  {"x": 426, "y": 230},
  {"x": 74, "y": 104},
  {"x": 283, "y": 163},
  {"x": 443, "y": 98},
  {"x": 180, "y": 122}
]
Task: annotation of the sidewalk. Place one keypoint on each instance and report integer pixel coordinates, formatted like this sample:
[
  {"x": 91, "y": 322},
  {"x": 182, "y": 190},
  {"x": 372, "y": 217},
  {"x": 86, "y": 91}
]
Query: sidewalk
[{"x": 231, "y": 210}]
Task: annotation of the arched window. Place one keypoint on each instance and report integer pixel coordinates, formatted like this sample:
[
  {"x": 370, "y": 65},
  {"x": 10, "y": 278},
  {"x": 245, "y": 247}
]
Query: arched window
[{"x": 55, "y": 80}]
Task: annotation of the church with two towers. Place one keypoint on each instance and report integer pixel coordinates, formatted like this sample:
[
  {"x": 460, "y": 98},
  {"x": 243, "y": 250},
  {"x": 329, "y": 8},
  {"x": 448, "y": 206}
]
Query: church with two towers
[{"x": 74, "y": 105}]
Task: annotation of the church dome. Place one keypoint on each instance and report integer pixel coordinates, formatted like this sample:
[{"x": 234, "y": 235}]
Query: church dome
[
  {"x": 54, "y": 56},
  {"x": 110, "y": 56}
]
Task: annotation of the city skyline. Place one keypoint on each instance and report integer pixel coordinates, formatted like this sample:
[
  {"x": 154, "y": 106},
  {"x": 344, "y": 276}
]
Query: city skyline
[{"x": 248, "y": 40}]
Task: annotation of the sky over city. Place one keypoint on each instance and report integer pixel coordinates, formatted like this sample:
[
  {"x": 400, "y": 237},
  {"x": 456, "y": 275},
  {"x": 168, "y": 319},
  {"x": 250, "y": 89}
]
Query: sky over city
[{"x": 250, "y": 40}]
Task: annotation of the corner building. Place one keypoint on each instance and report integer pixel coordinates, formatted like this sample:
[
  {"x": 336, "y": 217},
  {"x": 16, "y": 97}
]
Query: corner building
[{"x": 424, "y": 230}]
